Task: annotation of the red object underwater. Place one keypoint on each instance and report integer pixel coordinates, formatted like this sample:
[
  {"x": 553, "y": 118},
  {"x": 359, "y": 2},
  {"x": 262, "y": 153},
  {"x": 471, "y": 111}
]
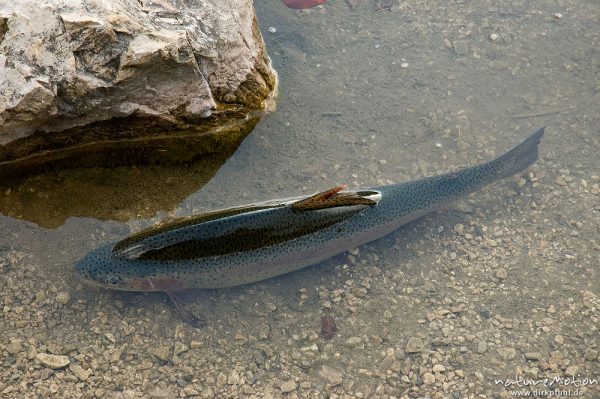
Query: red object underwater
[{"x": 300, "y": 4}]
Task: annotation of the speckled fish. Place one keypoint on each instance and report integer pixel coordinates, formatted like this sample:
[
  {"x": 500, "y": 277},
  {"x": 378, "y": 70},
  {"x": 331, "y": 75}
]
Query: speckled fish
[{"x": 255, "y": 242}]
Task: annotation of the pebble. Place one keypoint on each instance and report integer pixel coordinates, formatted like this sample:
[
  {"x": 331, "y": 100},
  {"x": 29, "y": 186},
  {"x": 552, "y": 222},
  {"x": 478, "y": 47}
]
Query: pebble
[
  {"x": 63, "y": 297},
  {"x": 428, "y": 378},
  {"x": 414, "y": 345},
  {"x": 559, "y": 339},
  {"x": 572, "y": 371},
  {"x": 234, "y": 378},
  {"x": 180, "y": 347},
  {"x": 53, "y": 361},
  {"x": 14, "y": 347},
  {"x": 330, "y": 375},
  {"x": 353, "y": 341},
  {"x": 479, "y": 376},
  {"x": 591, "y": 354},
  {"x": 459, "y": 228},
  {"x": 560, "y": 181},
  {"x": 328, "y": 327},
  {"x": 288, "y": 386},
  {"x": 438, "y": 368},
  {"x": 481, "y": 347},
  {"x": 80, "y": 372},
  {"x": 161, "y": 393},
  {"x": 195, "y": 344},
  {"x": 162, "y": 353},
  {"x": 501, "y": 273},
  {"x": 507, "y": 353},
  {"x": 190, "y": 391}
]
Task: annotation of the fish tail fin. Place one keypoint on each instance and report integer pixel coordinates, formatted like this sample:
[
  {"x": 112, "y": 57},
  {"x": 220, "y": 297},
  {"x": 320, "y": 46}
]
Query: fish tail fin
[{"x": 520, "y": 157}]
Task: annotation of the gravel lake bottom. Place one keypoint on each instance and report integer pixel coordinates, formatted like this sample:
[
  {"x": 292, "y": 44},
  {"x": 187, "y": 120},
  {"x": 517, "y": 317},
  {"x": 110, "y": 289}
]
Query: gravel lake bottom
[{"x": 497, "y": 296}]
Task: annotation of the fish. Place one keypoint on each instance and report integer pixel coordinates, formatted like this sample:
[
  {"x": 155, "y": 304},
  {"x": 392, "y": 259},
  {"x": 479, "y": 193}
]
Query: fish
[
  {"x": 246, "y": 244},
  {"x": 302, "y": 4}
]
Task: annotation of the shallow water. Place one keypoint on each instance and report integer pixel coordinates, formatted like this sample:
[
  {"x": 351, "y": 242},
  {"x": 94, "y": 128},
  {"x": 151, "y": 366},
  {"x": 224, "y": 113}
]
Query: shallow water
[{"x": 504, "y": 283}]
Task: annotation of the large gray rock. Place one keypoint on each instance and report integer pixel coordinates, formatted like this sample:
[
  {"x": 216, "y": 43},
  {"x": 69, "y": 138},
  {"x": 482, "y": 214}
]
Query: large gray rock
[{"x": 123, "y": 70}]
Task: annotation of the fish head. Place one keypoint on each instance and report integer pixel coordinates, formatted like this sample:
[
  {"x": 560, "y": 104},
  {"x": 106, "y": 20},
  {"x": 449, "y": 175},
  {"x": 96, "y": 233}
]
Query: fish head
[
  {"x": 98, "y": 268},
  {"x": 101, "y": 267}
]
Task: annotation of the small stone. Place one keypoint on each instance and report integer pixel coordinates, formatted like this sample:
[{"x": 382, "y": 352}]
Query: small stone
[
  {"x": 162, "y": 353},
  {"x": 507, "y": 353},
  {"x": 414, "y": 345},
  {"x": 438, "y": 368},
  {"x": 221, "y": 379},
  {"x": 234, "y": 378},
  {"x": 501, "y": 273},
  {"x": 494, "y": 37},
  {"x": 459, "y": 228},
  {"x": 353, "y": 341},
  {"x": 481, "y": 347},
  {"x": 591, "y": 354},
  {"x": 180, "y": 347},
  {"x": 40, "y": 297},
  {"x": 190, "y": 391},
  {"x": 572, "y": 371},
  {"x": 328, "y": 327},
  {"x": 31, "y": 352},
  {"x": 461, "y": 47},
  {"x": 492, "y": 243},
  {"x": 330, "y": 375},
  {"x": 53, "y": 361},
  {"x": 160, "y": 393},
  {"x": 14, "y": 347},
  {"x": 485, "y": 313},
  {"x": 288, "y": 386},
  {"x": 272, "y": 29},
  {"x": 63, "y": 297},
  {"x": 559, "y": 339},
  {"x": 387, "y": 314},
  {"x": 80, "y": 372},
  {"x": 428, "y": 378},
  {"x": 560, "y": 181},
  {"x": 195, "y": 344}
]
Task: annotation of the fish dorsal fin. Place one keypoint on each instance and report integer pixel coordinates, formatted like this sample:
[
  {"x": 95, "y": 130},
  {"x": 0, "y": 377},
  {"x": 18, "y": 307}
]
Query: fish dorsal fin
[{"x": 335, "y": 197}]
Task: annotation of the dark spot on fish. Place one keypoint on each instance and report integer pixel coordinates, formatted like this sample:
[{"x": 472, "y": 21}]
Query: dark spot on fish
[{"x": 328, "y": 327}]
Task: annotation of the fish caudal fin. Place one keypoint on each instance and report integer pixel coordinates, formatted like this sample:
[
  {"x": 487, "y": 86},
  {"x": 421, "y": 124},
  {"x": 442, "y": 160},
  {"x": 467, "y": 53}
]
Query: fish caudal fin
[{"x": 520, "y": 157}]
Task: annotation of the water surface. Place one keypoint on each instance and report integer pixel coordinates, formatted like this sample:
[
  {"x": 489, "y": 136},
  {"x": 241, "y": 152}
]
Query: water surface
[{"x": 503, "y": 284}]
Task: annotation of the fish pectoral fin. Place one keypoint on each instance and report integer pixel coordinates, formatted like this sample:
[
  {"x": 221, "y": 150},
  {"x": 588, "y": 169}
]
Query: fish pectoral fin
[{"x": 335, "y": 197}]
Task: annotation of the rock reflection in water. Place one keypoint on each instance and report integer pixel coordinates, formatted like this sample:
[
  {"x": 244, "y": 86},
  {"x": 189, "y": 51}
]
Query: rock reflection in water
[{"x": 118, "y": 193}]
